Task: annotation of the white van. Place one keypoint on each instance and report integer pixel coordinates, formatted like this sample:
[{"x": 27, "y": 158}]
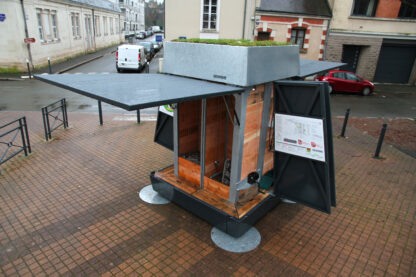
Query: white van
[{"x": 130, "y": 57}]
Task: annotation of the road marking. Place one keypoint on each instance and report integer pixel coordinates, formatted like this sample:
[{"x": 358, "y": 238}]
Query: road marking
[{"x": 91, "y": 72}]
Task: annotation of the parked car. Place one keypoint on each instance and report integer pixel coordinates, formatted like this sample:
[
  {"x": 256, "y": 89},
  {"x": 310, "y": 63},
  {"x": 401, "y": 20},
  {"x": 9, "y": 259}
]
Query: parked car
[
  {"x": 148, "y": 47},
  {"x": 132, "y": 57},
  {"x": 156, "y": 46},
  {"x": 156, "y": 29},
  {"x": 340, "y": 80},
  {"x": 148, "y": 33},
  {"x": 141, "y": 35}
]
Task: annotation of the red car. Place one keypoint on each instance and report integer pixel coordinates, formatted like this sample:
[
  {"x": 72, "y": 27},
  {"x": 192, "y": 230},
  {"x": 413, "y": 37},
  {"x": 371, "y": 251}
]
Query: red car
[{"x": 340, "y": 80}]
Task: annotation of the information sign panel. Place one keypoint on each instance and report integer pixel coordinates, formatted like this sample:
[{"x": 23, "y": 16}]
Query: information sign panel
[
  {"x": 300, "y": 136},
  {"x": 166, "y": 109}
]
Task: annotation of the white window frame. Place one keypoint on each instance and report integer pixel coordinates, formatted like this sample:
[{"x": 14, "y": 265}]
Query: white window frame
[
  {"x": 217, "y": 25},
  {"x": 111, "y": 26},
  {"x": 97, "y": 25},
  {"x": 76, "y": 31},
  {"x": 54, "y": 25},
  {"x": 105, "y": 23},
  {"x": 48, "y": 31},
  {"x": 40, "y": 25}
]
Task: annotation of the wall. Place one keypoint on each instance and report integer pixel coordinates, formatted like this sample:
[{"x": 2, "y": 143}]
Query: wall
[
  {"x": 187, "y": 22},
  {"x": 342, "y": 20},
  {"x": 12, "y": 32},
  {"x": 280, "y": 28},
  {"x": 369, "y": 53},
  {"x": 388, "y": 8},
  {"x": 180, "y": 21},
  {"x": 14, "y": 51}
]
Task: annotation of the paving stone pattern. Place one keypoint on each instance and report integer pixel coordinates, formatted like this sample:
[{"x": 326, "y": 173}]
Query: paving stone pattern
[{"x": 72, "y": 208}]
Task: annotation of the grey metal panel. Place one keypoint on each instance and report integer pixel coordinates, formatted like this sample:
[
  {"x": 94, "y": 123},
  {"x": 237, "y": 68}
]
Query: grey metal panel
[
  {"x": 311, "y": 67},
  {"x": 312, "y": 7},
  {"x": 138, "y": 91},
  {"x": 238, "y": 143},
  {"x": 176, "y": 141},
  {"x": 296, "y": 178},
  {"x": 203, "y": 139},
  {"x": 264, "y": 127},
  {"x": 235, "y": 65}
]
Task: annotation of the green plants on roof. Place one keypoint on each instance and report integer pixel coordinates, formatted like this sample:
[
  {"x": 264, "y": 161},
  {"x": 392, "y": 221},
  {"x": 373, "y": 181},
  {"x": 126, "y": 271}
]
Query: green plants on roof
[{"x": 234, "y": 42}]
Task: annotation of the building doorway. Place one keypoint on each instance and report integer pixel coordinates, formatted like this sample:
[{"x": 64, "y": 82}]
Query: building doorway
[
  {"x": 263, "y": 36},
  {"x": 350, "y": 56},
  {"x": 88, "y": 33}
]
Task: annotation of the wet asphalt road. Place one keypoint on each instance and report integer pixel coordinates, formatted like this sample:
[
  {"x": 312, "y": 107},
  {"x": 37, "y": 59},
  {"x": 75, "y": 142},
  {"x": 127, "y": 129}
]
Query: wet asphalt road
[
  {"x": 388, "y": 101},
  {"x": 32, "y": 95}
]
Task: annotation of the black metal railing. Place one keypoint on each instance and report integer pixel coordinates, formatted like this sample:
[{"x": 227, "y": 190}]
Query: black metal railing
[
  {"x": 9, "y": 136},
  {"x": 54, "y": 111}
]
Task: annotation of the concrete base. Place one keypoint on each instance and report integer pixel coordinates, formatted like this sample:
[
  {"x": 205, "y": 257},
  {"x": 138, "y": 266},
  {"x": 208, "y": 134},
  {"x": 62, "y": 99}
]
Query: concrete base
[{"x": 247, "y": 242}]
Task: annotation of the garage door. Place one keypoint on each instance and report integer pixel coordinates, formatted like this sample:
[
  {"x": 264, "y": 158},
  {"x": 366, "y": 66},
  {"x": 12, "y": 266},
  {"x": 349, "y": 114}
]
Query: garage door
[{"x": 395, "y": 63}]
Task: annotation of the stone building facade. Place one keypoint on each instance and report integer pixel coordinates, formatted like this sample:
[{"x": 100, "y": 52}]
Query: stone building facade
[
  {"x": 61, "y": 29},
  {"x": 134, "y": 18},
  {"x": 304, "y": 22},
  {"x": 376, "y": 38}
]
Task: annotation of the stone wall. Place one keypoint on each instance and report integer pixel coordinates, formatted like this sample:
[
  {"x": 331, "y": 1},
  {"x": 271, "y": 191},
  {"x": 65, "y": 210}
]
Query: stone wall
[{"x": 370, "y": 50}]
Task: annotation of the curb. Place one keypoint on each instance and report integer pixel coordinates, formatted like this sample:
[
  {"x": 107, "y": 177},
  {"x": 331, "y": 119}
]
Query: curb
[
  {"x": 66, "y": 68},
  {"x": 83, "y": 62}
]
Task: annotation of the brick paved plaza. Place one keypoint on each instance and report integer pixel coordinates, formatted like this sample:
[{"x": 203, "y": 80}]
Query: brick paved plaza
[{"x": 72, "y": 208}]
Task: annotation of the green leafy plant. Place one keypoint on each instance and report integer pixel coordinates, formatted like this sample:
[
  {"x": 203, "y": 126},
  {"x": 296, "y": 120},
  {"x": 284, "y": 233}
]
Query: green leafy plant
[{"x": 233, "y": 42}]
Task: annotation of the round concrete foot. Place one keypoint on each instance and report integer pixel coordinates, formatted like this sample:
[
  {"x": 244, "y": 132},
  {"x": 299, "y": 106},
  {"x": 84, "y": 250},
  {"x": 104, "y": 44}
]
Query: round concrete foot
[
  {"x": 147, "y": 194},
  {"x": 247, "y": 242}
]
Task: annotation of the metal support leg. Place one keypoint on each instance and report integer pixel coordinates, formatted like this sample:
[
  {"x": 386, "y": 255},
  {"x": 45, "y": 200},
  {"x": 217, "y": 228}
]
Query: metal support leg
[
  {"x": 44, "y": 124},
  {"x": 344, "y": 126},
  {"x": 380, "y": 141},
  {"x": 176, "y": 140},
  {"x": 48, "y": 125},
  {"x": 100, "y": 112},
  {"x": 203, "y": 139},
  {"x": 64, "y": 113},
  {"x": 22, "y": 134},
  {"x": 27, "y": 135},
  {"x": 138, "y": 116},
  {"x": 264, "y": 127},
  {"x": 238, "y": 143}
]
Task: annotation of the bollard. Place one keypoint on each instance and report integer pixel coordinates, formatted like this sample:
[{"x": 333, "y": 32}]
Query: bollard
[
  {"x": 380, "y": 141},
  {"x": 138, "y": 116},
  {"x": 28, "y": 69},
  {"x": 147, "y": 67},
  {"x": 49, "y": 65},
  {"x": 344, "y": 126}
]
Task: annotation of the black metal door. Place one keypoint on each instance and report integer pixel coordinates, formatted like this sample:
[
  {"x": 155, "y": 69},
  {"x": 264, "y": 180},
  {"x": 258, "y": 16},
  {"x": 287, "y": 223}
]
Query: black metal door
[
  {"x": 350, "y": 56},
  {"x": 306, "y": 181},
  {"x": 395, "y": 63},
  {"x": 164, "y": 130}
]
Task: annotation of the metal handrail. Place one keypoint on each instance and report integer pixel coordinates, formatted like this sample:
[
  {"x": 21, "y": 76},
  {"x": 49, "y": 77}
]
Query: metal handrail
[{"x": 20, "y": 129}]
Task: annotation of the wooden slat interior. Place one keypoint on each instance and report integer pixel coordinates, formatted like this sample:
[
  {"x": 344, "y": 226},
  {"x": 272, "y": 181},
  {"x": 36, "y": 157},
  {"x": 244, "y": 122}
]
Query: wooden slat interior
[
  {"x": 189, "y": 127},
  {"x": 208, "y": 196}
]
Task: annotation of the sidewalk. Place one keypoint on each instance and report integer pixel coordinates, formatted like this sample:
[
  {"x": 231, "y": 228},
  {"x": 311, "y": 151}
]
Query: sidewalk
[
  {"x": 72, "y": 208},
  {"x": 64, "y": 66}
]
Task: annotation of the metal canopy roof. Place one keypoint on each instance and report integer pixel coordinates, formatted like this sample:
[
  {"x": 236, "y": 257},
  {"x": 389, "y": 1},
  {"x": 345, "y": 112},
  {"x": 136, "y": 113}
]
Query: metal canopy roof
[
  {"x": 138, "y": 91},
  {"x": 310, "y": 67}
]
